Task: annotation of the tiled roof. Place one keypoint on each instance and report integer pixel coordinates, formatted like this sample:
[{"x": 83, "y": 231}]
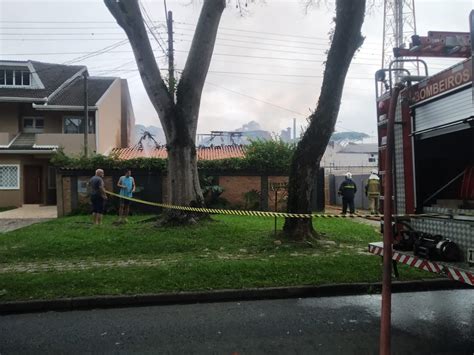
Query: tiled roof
[
  {"x": 73, "y": 94},
  {"x": 203, "y": 153},
  {"x": 51, "y": 75}
]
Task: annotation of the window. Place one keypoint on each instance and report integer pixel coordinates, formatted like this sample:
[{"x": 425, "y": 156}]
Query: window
[
  {"x": 15, "y": 77},
  {"x": 26, "y": 78},
  {"x": 28, "y": 123},
  {"x": 9, "y": 177},
  {"x": 75, "y": 125},
  {"x": 9, "y": 77},
  {"x": 33, "y": 124}
]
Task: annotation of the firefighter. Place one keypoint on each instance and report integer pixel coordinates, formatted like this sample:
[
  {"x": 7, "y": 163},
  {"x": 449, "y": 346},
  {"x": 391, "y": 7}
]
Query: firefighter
[
  {"x": 347, "y": 190},
  {"x": 372, "y": 191}
]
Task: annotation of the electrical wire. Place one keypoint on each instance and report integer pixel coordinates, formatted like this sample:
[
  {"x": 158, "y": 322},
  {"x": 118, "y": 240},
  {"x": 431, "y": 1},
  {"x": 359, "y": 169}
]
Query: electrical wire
[{"x": 150, "y": 27}]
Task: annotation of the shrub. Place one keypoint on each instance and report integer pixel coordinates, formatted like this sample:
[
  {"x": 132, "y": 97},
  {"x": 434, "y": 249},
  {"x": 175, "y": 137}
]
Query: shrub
[{"x": 260, "y": 156}]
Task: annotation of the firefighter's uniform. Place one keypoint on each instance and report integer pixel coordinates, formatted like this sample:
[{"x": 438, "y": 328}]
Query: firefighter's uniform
[
  {"x": 372, "y": 191},
  {"x": 348, "y": 189}
]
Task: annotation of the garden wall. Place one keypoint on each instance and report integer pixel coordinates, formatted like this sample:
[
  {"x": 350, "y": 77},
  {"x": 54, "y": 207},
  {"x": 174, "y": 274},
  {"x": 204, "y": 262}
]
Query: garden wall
[{"x": 242, "y": 190}]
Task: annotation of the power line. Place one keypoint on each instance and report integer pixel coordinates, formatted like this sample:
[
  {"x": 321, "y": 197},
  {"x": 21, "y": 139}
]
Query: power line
[
  {"x": 299, "y": 83},
  {"x": 150, "y": 28},
  {"x": 58, "y": 39},
  {"x": 262, "y": 49},
  {"x": 87, "y": 56},
  {"x": 256, "y": 99},
  {"x": 261, "y": 32},
  {"x": 72, "y": 21},
  {"x": 273, "y": 58},
  {"x": 98, "y": 52},
  {"x": 262, "y": 38},
  {"x": 251, "y": 73},
  {"x": 152, "y": 21}
]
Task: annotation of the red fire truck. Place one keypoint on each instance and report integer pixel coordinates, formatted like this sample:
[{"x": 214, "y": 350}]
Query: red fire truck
[{"x": 432, "y": 154}]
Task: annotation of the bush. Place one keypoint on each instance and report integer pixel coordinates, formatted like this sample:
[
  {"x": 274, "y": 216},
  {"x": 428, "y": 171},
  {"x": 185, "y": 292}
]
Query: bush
[
  {"x": 61, "y": 160},
  {"x": 273, "y": 155},
  {"x": 260, "y": 156}
]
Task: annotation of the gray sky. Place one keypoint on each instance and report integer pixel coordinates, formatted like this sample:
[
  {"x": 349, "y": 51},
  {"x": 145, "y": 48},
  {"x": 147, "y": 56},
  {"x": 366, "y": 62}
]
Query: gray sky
[{"x": 266, "y": 67}]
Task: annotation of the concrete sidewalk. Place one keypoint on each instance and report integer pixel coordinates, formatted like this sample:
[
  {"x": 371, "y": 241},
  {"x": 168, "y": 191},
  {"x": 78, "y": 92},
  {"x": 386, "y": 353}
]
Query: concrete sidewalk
[
  {"x": 31, "y": 212},
  {"x": 25, "y": 216}
]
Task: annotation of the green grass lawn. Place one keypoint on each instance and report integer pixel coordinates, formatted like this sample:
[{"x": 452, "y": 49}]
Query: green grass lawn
[{"x": 70, "y": 257}]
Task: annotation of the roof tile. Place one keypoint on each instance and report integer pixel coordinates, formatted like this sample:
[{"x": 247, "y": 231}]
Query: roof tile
[{"x": 203, "y": 153}]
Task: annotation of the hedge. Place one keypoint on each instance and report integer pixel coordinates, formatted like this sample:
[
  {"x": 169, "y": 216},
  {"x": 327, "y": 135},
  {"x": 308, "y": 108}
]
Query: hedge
[{"x": 260, "y": 156}]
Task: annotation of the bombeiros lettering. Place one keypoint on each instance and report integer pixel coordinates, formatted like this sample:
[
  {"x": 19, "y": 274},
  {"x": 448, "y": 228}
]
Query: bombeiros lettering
[{"x": 442, "y": 85}]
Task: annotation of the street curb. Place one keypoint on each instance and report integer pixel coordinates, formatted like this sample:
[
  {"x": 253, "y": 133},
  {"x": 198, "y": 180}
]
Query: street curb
[{"x": 84, "y": 303}]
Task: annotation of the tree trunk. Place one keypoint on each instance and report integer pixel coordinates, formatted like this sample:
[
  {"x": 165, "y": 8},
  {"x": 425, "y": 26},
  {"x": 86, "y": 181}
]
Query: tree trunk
[
  {"x": 178, "y": 116},
  {"x": 183, "y": 184},
  {"x": 346, "y": 40}
]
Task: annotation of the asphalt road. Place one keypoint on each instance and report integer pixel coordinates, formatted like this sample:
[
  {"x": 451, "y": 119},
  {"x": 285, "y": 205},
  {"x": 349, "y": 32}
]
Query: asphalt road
[{"x": 440, "y": 322}]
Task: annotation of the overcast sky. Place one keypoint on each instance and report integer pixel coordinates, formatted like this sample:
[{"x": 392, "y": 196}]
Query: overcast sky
[{"x": 267, "y": 66}]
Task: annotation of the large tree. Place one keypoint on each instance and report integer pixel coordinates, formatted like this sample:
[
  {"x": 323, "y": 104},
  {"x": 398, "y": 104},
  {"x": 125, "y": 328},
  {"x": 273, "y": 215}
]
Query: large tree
[
  {"x": 346, "y": 40},
  {"x": 178, "y": 114}
]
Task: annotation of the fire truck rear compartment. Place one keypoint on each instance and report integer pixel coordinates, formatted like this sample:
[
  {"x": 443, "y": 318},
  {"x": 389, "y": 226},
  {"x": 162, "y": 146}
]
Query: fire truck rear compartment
[{"x": 439, "y": 159}]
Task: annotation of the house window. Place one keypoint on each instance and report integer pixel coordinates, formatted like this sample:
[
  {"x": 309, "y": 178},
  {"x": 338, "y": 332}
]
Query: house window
[
  {"x": 75, "y": 125},
  {"x": 33, "y": 124},
  {"x": 14, "y": 77},
  {"x": 9, "y": 177}
]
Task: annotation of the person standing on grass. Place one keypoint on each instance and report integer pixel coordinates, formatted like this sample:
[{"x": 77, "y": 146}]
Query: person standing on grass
[
  {"x": 127, "y": 188},
  {"x": 372, "y": 191},
  {"x": 98, "y": 196},
  {"x": 347, "y": 190}
]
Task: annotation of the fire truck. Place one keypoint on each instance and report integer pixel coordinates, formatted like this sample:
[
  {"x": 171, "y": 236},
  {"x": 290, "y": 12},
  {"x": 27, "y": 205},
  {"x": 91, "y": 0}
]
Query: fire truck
[{"x": 431, "y": 151}]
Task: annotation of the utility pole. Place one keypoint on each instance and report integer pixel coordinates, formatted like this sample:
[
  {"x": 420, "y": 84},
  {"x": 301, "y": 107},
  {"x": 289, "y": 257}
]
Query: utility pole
[
  {"x": 86, "y": 115},
  {"x": 169, "y": 23}
]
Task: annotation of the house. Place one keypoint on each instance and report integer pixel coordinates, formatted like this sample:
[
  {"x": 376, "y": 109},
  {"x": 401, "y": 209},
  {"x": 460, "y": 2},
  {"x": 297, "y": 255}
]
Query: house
[
  {"x": 42, "y": 110},
  {"x": 358, "y": 158}
]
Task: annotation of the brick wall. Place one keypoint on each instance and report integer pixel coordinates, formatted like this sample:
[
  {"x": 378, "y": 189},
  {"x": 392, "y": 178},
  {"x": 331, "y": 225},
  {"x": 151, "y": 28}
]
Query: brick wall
[
  {"x": 67, "y": 198},
  {"x": 236, "y": 186},
  {"x": 153, "y": 187}
]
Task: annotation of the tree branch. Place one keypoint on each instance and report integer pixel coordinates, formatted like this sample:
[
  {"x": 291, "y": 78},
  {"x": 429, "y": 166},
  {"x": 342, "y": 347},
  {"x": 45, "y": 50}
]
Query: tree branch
[
  {"x": 128, "y": 16},
  {"x": 192, "y": 80}
]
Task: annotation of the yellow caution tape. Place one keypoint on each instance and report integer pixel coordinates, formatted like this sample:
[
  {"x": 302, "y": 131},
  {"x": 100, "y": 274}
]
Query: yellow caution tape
[
  {"x": 260, "y": 213},
  {"x": 248, "y": 213}
]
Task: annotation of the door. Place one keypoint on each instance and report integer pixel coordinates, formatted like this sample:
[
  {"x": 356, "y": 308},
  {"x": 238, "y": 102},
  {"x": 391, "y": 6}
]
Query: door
[{"x": 33, "y": 184}]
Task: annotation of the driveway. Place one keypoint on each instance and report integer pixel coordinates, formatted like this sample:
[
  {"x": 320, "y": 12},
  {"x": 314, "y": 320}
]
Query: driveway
[{"x": 25, "y": 216}]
